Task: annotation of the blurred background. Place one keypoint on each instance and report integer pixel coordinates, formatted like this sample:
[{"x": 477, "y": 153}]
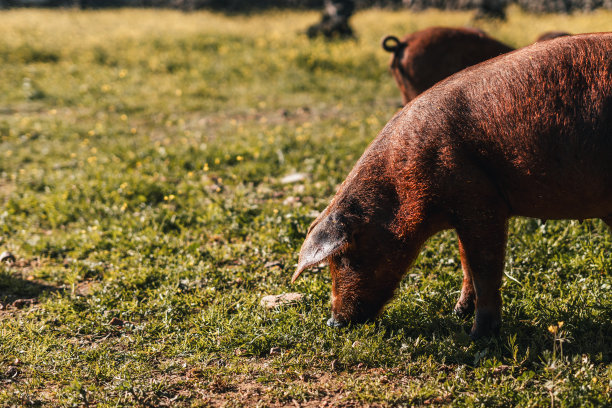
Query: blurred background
[{"x": 548, "y": 6}]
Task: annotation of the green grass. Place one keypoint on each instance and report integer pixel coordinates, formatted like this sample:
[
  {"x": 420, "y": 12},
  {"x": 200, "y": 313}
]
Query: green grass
[{"x": 142, "y": 154}]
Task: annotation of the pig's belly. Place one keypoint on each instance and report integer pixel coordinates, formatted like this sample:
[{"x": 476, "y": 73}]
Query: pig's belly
[{"x": 562, "y": 197}]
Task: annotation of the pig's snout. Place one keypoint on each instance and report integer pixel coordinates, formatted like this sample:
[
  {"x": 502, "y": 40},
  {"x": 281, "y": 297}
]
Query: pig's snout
[{"x": 332, "y": 322}]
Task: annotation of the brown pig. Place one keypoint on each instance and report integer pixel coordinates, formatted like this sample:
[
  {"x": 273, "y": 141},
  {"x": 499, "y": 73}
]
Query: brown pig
[
  {"x": 527, "y": 134},
  {"x": 426, "y": 57}
]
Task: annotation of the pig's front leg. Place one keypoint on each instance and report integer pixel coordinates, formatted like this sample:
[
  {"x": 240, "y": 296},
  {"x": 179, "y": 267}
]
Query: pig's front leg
[{"x": 483, "y": 243}]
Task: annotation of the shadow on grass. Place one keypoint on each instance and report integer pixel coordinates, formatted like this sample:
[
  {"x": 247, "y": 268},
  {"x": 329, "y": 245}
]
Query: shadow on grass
[
  {"x": 446, "y": 338},
  {"x": 19, "y": 292}
]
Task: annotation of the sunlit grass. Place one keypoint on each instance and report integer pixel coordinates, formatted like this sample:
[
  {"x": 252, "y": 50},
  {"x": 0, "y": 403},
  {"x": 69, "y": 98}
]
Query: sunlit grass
[{"x": 142, "y": 156}]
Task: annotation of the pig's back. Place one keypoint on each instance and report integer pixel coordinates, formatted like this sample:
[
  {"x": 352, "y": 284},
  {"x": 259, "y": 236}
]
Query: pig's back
[
  {"x": 438, "y": 52},
  {"x": 537, "y": 121}
]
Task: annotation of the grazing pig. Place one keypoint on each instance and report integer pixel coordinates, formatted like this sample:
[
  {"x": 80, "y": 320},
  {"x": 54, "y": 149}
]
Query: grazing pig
[
  {"x": 526, "y": 134},
  {"x": 425, "y": 57}
]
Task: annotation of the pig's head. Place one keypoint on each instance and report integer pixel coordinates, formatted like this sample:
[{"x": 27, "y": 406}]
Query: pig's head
[{"x": 366, "y": 259}]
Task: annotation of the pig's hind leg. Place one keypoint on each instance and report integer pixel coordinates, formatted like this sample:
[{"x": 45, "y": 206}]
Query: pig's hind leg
[
  {"x": 466, "y": 303},
  {"x": 608, "y": 220},
  {"x": 483, "y": 244}
]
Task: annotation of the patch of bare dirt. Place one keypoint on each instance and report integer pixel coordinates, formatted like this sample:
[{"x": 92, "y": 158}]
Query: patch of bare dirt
[{"x": 264, "y": 385}]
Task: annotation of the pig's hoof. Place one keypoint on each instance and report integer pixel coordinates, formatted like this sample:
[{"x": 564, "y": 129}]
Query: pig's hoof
[
  {"x": 463, "y": 310},
  {"x": 485, "y": 326},
  {"x": 482, "y": 333},
  {"x": 331, "y": 322}
]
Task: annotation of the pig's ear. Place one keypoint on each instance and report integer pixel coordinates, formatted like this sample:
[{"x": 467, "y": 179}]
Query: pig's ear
[{"x": 327, "y": 235}]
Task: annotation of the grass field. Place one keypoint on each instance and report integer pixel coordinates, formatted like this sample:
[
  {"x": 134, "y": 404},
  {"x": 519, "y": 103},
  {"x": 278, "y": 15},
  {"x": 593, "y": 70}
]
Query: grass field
[{"x": 141, "y": 181}]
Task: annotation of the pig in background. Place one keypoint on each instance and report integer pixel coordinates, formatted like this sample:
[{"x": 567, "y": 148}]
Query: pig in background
[{"x": 426, "y": 57}]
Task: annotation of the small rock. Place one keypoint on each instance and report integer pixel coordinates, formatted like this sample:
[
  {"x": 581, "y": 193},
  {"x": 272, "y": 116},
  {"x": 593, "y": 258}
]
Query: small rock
[
  {"x": 21, "y": 303},
  {"x": 273, "y": 264},
  {"x": 272, "y": 301},
  {"x": 7, "y": 257},
  {"x": 293, "y": 178},
  {"x": 115, "y": 321}
]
